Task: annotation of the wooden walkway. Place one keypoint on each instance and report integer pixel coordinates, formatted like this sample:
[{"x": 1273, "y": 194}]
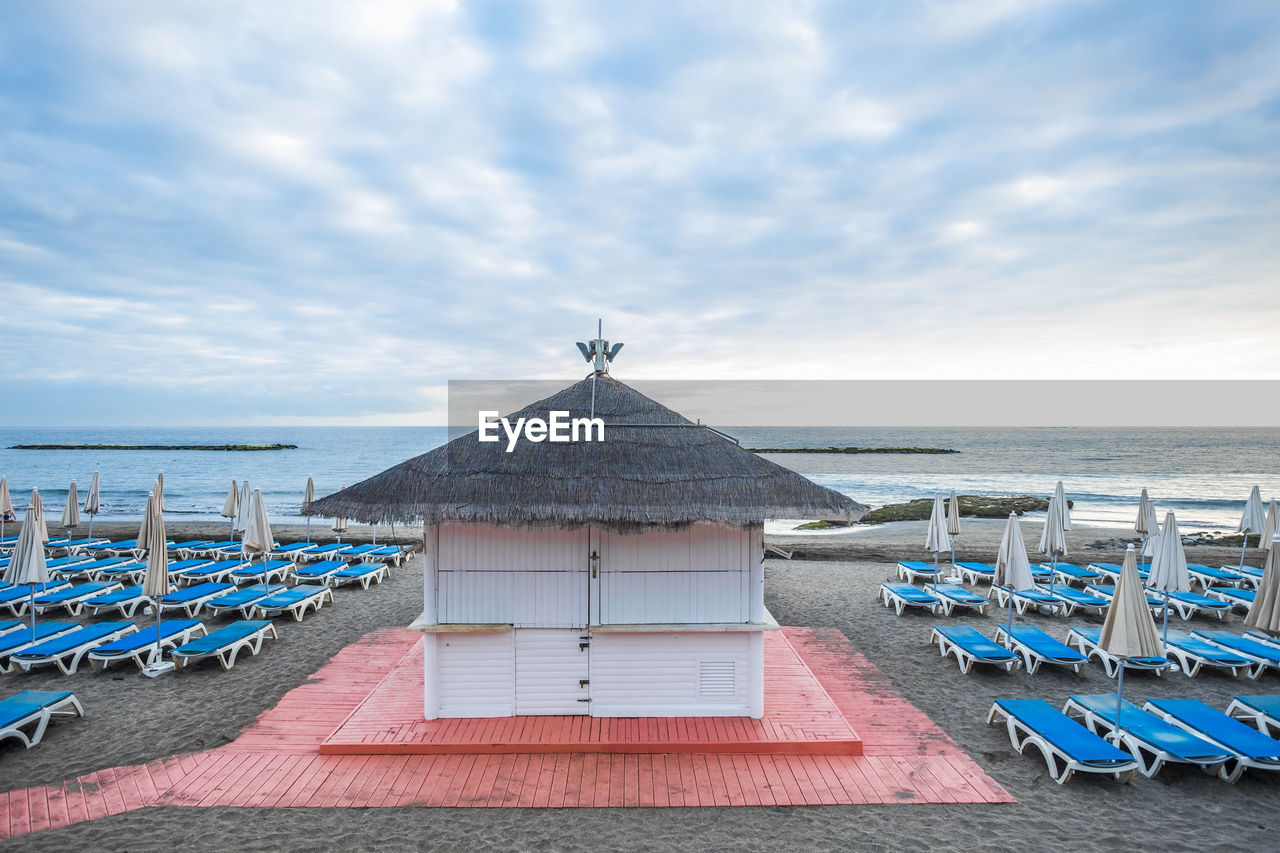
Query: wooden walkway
[{"x": 277, "y": 763}]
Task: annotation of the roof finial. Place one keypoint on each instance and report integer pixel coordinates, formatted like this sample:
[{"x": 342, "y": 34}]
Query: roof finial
[{"x": 598, "y": 350}]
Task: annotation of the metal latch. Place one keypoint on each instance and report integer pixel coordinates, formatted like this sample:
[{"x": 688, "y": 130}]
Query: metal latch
[
  {"x": 584, "y": 700},
  {"x": 583, "y": 682},
  {"x": 595, "y": 564}
]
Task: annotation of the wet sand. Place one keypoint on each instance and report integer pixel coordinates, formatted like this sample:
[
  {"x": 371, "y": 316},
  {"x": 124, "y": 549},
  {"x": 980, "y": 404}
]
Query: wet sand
[{"x": 132, "y": 720}]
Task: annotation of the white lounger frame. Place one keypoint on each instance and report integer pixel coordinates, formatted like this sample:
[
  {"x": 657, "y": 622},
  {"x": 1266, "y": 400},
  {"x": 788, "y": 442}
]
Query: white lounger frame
[
  {"x": 1186, "y": 610},
  {"x": 1229, "y": 771},
  {"x": 1022, "y": 603},
  {"x": 377, "y": 575},
  {"x": 69, "y": 660},
  {"x": 67, "y": 707},
  {"x": 226, "y": 655},
  {"x": 1110, "y": 663},
  {"x": 909, "y": 574},
  {"x": 1191, "y": 663},
  {"x": 1021, "y": 736},
  {"x": 1033, "y": 660},
  {"x": 1150, "y": 757},
  {"x": 298, "y": 609},
  {"x": 1261, "y": 720},
  {"x": 891, "y": 598},
  {"x": 101, "y": 661},
  {"x": 967, "y": 659}
]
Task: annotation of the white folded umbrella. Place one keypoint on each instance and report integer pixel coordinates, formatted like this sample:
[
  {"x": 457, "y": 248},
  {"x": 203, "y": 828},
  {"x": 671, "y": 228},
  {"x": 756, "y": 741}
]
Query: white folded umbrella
[
  {"x": 1264, "y": 613},
  {"x": 1252, "y": 520},
  {"x": 155, "y": 582},
  {"x": 27, "y": 563},
  {"x": 1169, "y": 566},
  {"x": 71, "y": 512},
  {"x": 1061, "y": 494},
  {"x": 308, "y": 495},
  {"x": 6, "y": 504},
  {"x": 936, "y": 538},
  {"x": 231, "y": 506},
  {"x": 1128, "y": 630},
  {"x": 258, "y": 540},
  {"x": 92, "y": 502},
  {"x": 1013, "y": 569}
]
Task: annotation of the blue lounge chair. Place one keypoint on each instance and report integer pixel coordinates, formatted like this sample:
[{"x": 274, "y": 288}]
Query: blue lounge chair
[
  {"x": 6, "y": 627},
  {"x": 969, "y": 646},
  {"x": 241, "y": 600},
  {"x": 35, "y": 707},
  {"x": 1108, "y": 591},
  {"x": 1208, "y": 576},
  {"x": 322, "y": 552},
  {"x": 1027, "y": 599},
  {"x": 1236, "y": 596},
  {"x": 1262, "y": 654},
  {"x": 1193, "y": 653},
  {"x": 103, "y": 549},
  {"x": 1189, "y": 604},
  {"x": 209, "y": 571},
  {"x": 177, "y": 567},
  {"x": 292, "y": 549},
  {"x": 1075, "y": 599},
  {"x": 296, "y": 601},
  {"x": 66, "y": 562},
  {"x": 125, "y": 601},
  {"x": 953, "y": 596},
  {"x": 320, "y": 571},
  {"x": 1086, "y": 639},
  {"x": 1112, "y": 570},
  {"x": 1262, "y": 711},
  {"x": 72, "y": 546},
  {"x": 910, "y": 570},
  {"x": 66, "y": 650},
  {"x": 903, "y": 595},
  {"x": 1249, "y": 747},
  {"x": 16, "y": 598},
  {"x": 180, "y": 547},
  {"x": 352, "y": 552},
  {"x": 205, "y": 549},
  {"x": 69, "y": 598},
  {"x": 140, "y": 647},
  {"x": 976, "y": 572},
  {"x": 1035, "y": 647},
  {"x": 1066, "y": 745},
  {"x": 1145, "y": 736},
  {"x": 225, "y": 643},
  {"x": 130, "y": 571},
  {"x": 361, "y": 573},
  {"x": 17, "y": 641},
  {"x": 191, "y": 599},
  {"x": 393, "y": 554},
  {"x": 1263, "y": 637},
  {"x": 85, "y": 568},
  {"x": 264, "y": 571},
  {"x": 1252, "y": 574},
  {"x": 1071, "y": 573}
]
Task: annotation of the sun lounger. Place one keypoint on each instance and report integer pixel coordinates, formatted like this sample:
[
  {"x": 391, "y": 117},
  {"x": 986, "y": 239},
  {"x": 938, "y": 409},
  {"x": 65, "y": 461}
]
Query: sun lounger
[
  {"x": 910, "y": 570},
  {"x": 969, "y": 646},
  {"x": 1263, "y": 637},
  {"x": 36, "y": 707},
  {"x": 242, "y": 600},
  {"x": 177, "y": 567},
  {"x": 263, "y": 571},
  {"x": 320, "y": 571},
  {"x": 1074, "y": 599},
  {"x": 205, "y": 549},
  {"x": 1027, "y": 599},
  {"x": 140, "y": 647},
  {"x": 102, "y": 549},
  {"x": 361, "y": 573},
  {"x": 130, "y": 571},
  {"x": 66, "y": 650},
  {"x": 125, "y": 601},
  {"x": 1252, "y": 574},
  {"x": 1036, "y": 647},
  {"x": 1249, "y": 747},
  {"x": 191, "y": 599},
  {"x": 322, "y": 552},
  {"x": 1193, "y": 653},
  {"x": 352, "y": 552},
  {"x": 1146, "y": 736},
  {"x": 976, "y": 572},
  {"x": 1262, "y": 654},
  {"x": 1108, "y": 591},
  {"x": 1188, "y": 604},
  {"x": 1086, "y": 639},
  {"x": 1208, "y": 576},
  {"x": 66, "y": 562},
  {"x": 17, "y": 641},
  {"x": 292, "y": 549},
  {"x": 1262, "y": 711},
  {"x": 68, "y": 547},
  {"x": 393, "y": 554},
  {"x": 953, "y": 596},
  {"x": 209, "y": 571},
  {"x": 900, "y": 596},
  {"x": 87, "y": 568},
  {"x": 1071, "y": 573},
  {"x": 6, "y": 627},
  {"x": 1066, "y": 745},
  {"x": 1236, "y": 596},
  {"x": 225, "y": 643},
  {"x": 69, "y": 598},
  {"x": 296, "y": 601},
  {"x": 368, "y": 553},
  {"x": 1112, "y": 570},
  {"x": 180, "y": 547},
  {"x": 16, "y": 598}
]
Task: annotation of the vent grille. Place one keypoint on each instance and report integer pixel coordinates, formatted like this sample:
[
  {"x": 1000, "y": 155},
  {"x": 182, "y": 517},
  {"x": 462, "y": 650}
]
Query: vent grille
[{"x": 717, "y": 678}]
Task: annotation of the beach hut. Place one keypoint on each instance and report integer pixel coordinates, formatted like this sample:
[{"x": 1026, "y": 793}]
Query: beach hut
[{"x": 619, "y": 577}]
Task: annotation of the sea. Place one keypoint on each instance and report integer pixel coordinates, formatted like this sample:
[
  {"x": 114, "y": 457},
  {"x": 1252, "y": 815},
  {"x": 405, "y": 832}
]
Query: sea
[{"x": 1203, "y": 475}]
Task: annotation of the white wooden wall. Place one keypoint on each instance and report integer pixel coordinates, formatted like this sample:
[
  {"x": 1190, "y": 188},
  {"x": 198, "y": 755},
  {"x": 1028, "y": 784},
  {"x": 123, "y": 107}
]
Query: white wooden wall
[{"x": 476, "y": 676}]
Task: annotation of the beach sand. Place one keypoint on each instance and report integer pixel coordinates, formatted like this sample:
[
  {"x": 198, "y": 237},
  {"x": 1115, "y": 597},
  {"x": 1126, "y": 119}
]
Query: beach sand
[{"x": 132, "y": 720}]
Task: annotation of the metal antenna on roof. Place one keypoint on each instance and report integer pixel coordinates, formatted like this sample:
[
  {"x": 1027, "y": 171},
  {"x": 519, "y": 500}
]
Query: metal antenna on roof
[{"x": 599, "y": 354}]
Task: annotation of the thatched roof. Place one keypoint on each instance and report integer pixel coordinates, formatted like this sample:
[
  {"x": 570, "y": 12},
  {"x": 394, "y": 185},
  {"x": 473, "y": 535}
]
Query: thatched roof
[{"x": 676, "y": 474}]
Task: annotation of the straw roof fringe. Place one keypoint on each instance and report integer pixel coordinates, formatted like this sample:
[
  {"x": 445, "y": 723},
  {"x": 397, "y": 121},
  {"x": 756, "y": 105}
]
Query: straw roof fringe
[{"x": 636, "y": 477}]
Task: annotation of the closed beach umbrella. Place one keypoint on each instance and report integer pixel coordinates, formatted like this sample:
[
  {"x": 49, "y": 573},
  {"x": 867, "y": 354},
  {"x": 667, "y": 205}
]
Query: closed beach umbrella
[
  {"x": 1144, "y": 524},
  {"x": 1169, "y": 566},
  {"x": 92, "y": 503},
  {"x": 159, "y": 490},
  {"x": 1153, "y": 539},
  {"x": 231, "y": 506},
  {"x": 953, "y": 522},
  {"x": 6, "y": 504},
  {"x": 1252, "y": 520},
  {"x": 1061, "y": 494},
  {"x": 144, "y": 529},
  {"x": 71, "y": 512},
  {"x": 27, "y": 564},
  {"x": 1053, "y": 540},
  {"x": 257, "y": 535},
  {"x": 1264, "y": 613},
  {"x": 308, "y": 495},
  {"x": 155, "y": 582},
  {"x": 1271, "y": 527},
  {"x": 242, "y": 510},
  {"x": 936, "y": 539},
  {"x": 1013, "y": 569},
  {"x": 340, "y": 523},
  {"x": 1129, "y": 631}
]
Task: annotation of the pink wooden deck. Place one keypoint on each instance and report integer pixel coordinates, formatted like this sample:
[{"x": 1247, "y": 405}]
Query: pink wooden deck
[
  {"x": 277, "y": 761},
  {"x": 800, "y": 719}
]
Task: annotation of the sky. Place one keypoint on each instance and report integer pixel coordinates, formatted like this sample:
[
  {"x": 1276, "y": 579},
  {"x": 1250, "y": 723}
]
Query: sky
[{"x": 321, "y": 213}]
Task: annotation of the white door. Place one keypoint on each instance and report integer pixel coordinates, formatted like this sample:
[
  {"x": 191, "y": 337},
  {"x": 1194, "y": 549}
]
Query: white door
[{"x": 552, "y": 666}]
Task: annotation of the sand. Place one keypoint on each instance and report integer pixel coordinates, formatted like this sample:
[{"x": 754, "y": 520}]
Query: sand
[{"x": 132, "y": 720}]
